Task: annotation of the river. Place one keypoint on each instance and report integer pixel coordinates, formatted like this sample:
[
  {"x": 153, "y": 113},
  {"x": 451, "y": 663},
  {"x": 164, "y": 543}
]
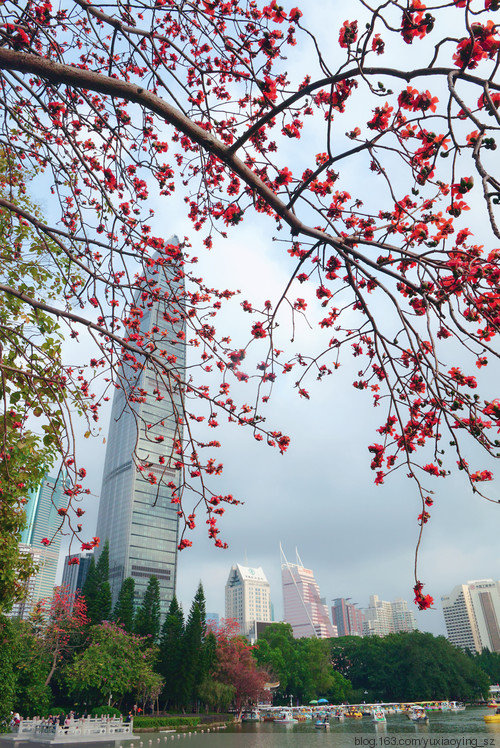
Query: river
[{"x": 444, "y": 730}]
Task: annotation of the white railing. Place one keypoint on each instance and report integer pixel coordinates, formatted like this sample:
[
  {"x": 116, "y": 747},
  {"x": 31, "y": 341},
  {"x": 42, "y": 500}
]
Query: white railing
[{"x": 74, "y": 728}]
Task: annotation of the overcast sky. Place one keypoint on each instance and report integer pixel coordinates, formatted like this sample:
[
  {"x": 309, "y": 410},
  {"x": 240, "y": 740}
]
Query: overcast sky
[{"x": 359, "y": 539}]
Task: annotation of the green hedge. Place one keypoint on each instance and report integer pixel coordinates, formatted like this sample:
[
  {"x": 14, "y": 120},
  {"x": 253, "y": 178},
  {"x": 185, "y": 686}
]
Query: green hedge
[{"x": 165, "y": 721}]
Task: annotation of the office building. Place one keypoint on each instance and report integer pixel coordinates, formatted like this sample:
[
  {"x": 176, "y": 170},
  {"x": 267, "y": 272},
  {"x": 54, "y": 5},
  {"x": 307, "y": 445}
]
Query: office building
[
  {"x": 472, "y": 614},
  {"x": 136, "y": 514},
  {"x": 74, "y": 575},
  {"x": 303, "y": 606},
  {"x": 382, "y": 617},
  {"x": 42, "y": 521},
  {"x": 347, "y": 617},
  {"x": 248, "y": 598}
]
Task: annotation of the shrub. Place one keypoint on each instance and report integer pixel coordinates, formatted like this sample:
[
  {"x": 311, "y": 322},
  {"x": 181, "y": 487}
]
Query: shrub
[{"x": 141, "y": 722}]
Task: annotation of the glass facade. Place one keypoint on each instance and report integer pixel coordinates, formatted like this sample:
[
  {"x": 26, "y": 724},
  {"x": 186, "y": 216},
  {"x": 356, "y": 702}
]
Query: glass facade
[{"x": 137, "y": 516}]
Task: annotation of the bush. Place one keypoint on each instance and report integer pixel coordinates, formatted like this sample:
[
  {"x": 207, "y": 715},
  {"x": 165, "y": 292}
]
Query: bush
[
  {"x": 165, "y": 721},
  {"x": 103, "y": 711}
]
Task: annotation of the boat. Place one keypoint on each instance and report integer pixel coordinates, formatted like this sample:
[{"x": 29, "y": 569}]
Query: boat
[
  {"x": 353, "y": 713},
  {"x": 337, "y": 714},
  {"x": 417, "y": 714},
  {"x": 251, "y": 715},
  {"x": 491, "y": 718},
  {"x": 456, "y": 706},
  {"x": 378, "y": 715},
  {"x": 322, "y": 723},
  {"x": 285, "y": 718}
]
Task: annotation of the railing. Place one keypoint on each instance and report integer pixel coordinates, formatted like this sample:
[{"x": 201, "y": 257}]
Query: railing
[{"x": 74, "y": 728}]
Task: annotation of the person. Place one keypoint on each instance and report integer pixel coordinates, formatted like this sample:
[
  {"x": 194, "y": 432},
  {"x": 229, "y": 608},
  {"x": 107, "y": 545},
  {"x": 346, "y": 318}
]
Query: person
[{"x": 128, "y": 718}]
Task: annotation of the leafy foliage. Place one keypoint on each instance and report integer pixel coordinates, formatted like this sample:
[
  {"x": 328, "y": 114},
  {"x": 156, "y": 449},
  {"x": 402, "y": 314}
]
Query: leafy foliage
[
  {"x": 409, "y": 666},
  {"x": 113, "y": 665}
]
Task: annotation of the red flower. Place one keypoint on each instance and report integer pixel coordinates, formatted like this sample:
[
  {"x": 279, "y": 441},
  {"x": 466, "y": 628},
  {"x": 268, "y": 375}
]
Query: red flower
[
  {"x": 258, "y": 330},
  {"x": 348, "y": 33},
  {"x": 45, "y": 541}
]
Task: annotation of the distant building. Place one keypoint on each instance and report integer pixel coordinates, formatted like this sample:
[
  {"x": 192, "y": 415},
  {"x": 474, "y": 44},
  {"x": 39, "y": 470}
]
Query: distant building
[
  {"x": 212, "y": 619},
  {"x": 347, "y": 617},
  {"x": 248, "y": 597},
  {"x": 42, "y": 521},
  {"x": 472, "y": 615},
  {"x": 382, "y": 617},
  {"x": 74, "y": 575},
  {"x": 303, "y": 607}
]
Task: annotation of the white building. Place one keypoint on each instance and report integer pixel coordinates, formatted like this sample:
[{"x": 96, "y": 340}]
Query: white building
[
  {"x": 248, "y": 598},
  {"x": 304, "y": 609},
  {"x": 472, "y": 614},
  {"x": 383, "y": 617}
]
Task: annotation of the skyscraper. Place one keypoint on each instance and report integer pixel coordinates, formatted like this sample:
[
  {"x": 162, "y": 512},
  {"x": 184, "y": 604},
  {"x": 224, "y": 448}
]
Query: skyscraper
[
  {"x": 303, "y": 606},
  {"x": 347, "y": 617},
  {"x": 472, "y": 615},
  {"x": 248, "y": 598},
  {"x": 136, "y": 514},
  {"x": 42, "y": 521}
]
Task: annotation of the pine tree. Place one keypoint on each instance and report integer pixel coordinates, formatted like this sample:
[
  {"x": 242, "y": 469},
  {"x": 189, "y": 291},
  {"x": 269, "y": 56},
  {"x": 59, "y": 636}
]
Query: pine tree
[
  {"x": 193, "y": 643},
  {"x": 104, "y": 603},
  {"x": 96, "y": 590},
  {"x": 171, "y": 658},
  {"x": 147, "y": 619},
  {"x": 124, "y": 609}
]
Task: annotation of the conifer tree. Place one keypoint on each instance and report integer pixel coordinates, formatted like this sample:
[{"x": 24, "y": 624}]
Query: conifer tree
[
  {"x": 147, "y": 619},
  {"x": 193, "y": 643},
  {"x": 104, "y": 604},
  {"x": 124, "y": 609},
  {"x": 96, "y": 590},
  {"x": 171, "y": 660}
]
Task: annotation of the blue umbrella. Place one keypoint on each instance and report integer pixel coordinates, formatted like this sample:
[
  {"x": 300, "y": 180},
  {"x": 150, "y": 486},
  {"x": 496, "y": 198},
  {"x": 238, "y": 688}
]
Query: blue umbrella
[{"x": 322, "y": 701}]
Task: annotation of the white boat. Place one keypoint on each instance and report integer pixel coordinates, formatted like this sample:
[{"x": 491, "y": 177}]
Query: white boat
[
  {"x": 251, "y": 715},
  {"x": 456, "y": 706},
  {"x": 322, "y": 723},
  {"x": 378, "y": 715},
  {"x": 285, "y": 718},
  {"x": 337, "y": 714},
  {"x": 417, "y": 714}
]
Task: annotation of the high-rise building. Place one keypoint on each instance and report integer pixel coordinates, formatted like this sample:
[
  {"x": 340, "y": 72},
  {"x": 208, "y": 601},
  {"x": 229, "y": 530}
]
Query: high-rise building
[
  {"x": 74, "y": 575},
  {"x": 382, "y": 617},
  {"x": 347, "y": 617},
  {"x": 42, "y": 521},
  {"x": 303, "y": 606},
  {"x": 472, "y": 615},
  {"x": 248, "y": 598},
  {"x": 136, "y": 514}
]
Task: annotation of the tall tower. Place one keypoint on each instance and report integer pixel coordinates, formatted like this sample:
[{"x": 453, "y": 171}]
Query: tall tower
[
  {"x": 136, "y": 514},
  {"x": 42, "y": 521},
  {"x": 303, "y": 606},
  {"x": 248, "y": 598},
  {"x": 472, "y": 615}
]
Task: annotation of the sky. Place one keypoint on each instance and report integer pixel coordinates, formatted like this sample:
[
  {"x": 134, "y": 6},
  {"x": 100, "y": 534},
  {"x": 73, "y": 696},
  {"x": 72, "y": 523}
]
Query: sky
[{"x": 318, "y": 498}]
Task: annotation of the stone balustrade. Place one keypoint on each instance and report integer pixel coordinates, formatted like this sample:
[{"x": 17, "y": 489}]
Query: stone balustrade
[{"x": 74, "y": 729}]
